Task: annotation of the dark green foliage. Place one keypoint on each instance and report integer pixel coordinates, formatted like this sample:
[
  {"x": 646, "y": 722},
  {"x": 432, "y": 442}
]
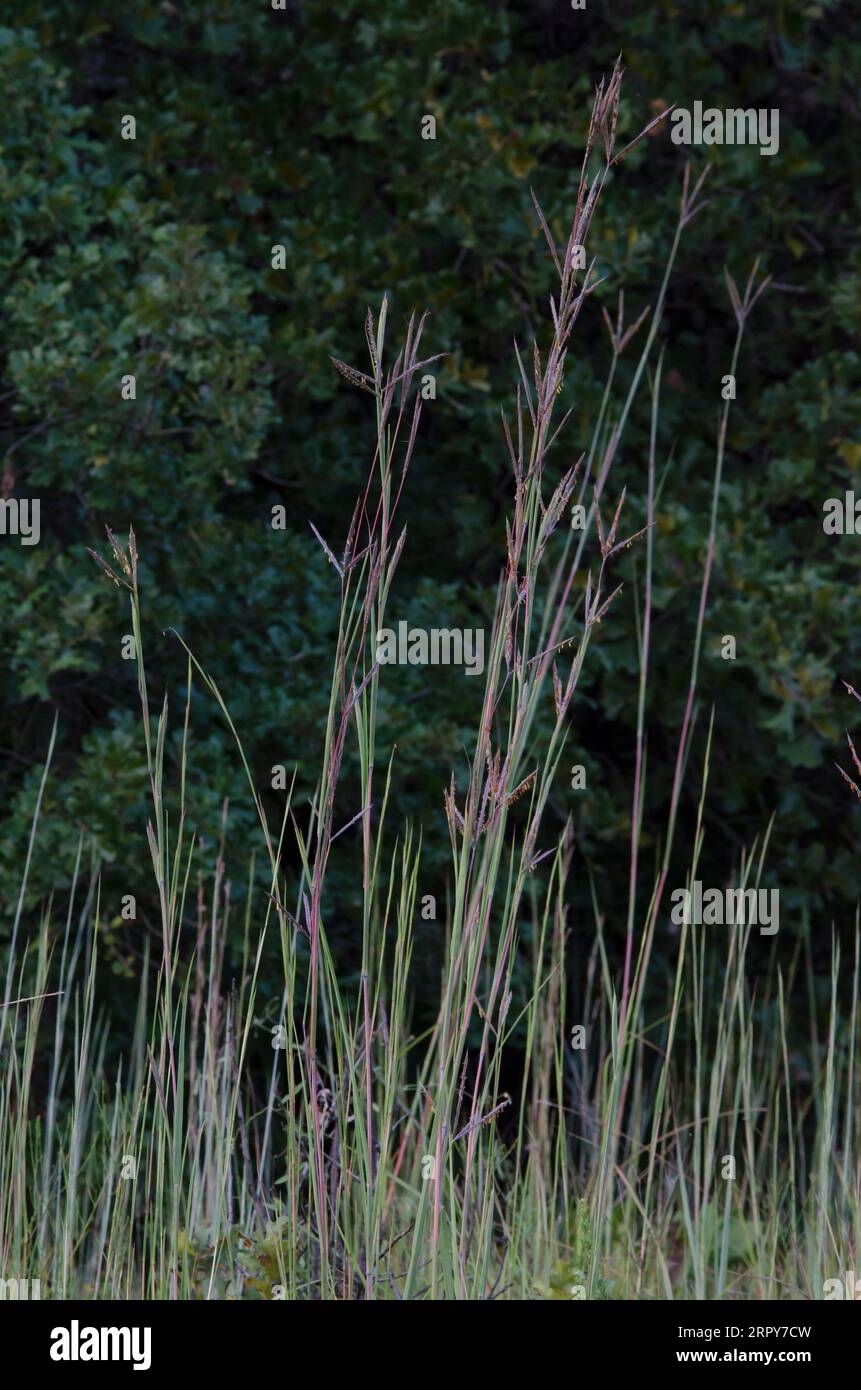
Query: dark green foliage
[{"x": 302, "y": 128}]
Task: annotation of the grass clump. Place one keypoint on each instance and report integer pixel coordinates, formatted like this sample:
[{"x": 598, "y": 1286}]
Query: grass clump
[{"x": 363, "y": 1159}]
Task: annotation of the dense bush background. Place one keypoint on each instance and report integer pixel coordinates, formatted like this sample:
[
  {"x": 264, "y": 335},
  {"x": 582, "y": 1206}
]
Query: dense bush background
[{"x": 302, "y": 128}]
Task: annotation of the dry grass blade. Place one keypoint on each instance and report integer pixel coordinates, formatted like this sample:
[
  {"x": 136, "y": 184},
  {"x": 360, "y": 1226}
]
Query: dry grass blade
[
  {"x": 329, "y": 554},
  {"x": 357, "y": 378},
  {"x": 645, "y": 131},
  {"x": 690, "y": 206},
  {"x": 547, "y": 234},
  {"x": 120, "y": 582},
  {"x": 847, "y": 778}
]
